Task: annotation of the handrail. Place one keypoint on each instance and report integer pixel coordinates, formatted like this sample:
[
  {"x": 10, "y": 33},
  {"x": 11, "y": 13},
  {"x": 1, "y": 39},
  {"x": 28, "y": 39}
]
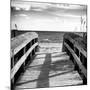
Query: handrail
[
  {"x": 21, "y": 42},
  {"x": 75, "y": 41},
  {"x": 21, "y": 61},
  {"x": 83, "y": 69},
  {"x": 76, "y": 47}
]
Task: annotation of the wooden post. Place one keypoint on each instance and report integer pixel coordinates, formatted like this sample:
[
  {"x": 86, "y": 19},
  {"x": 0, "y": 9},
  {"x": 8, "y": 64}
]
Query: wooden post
[
  {"x": 12, "y": 80},
  {"x": 63, "y": 48},
  {"x": 35, "y": 47},
  {"x": 24, "y": 64},
  {"x": 31, "y": 52}
]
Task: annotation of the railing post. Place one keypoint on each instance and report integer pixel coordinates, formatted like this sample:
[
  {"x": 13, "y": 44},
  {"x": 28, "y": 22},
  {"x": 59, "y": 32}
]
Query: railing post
[
  {"x": 76, "y": 67},
  {"x": 35, "y": 47},
  {"x": 24, "y": 64},
  {"x": 63, "y": 48},
  {"x": 12, "y": 81},
  {"x": 31, "y": 52}
]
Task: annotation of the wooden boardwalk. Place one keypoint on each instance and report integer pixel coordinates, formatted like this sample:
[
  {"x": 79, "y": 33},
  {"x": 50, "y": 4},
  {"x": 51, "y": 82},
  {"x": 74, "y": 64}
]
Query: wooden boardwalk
[{"x": 49, "y": 70}]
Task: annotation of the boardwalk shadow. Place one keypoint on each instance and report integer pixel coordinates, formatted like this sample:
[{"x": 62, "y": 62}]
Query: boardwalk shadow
[{"x": 43, "y": 80}]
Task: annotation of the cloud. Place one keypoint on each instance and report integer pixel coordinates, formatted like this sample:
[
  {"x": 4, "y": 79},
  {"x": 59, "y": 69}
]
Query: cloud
[
  {"x": 22, "y": 15},
  {"x": 39, "y": 6}
]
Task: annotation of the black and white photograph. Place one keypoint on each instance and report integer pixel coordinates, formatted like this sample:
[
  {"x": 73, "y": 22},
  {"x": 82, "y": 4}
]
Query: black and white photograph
[{"x": 48, "y": 44}]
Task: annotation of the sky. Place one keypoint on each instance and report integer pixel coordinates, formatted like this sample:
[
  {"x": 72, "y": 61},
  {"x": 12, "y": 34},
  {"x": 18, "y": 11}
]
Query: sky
[{"x": 39, "y": 16}]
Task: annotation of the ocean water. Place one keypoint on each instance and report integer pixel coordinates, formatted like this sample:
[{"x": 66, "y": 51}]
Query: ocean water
[
  {"x": 50, "y": 37},
  {"x": 50, "y": 42}
]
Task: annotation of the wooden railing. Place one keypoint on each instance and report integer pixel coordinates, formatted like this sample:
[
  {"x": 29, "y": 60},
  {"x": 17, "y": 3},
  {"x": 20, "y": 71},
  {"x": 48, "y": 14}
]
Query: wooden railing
[
  {"x": 23, "y": 47},
  {"x": 76, "y": 47}
]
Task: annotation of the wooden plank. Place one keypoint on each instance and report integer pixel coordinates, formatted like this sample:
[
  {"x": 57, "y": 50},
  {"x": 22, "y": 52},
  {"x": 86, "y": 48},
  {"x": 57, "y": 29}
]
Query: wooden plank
[
  {"x": 37, "y": 53},
  {"x": 21, "y": 61}
]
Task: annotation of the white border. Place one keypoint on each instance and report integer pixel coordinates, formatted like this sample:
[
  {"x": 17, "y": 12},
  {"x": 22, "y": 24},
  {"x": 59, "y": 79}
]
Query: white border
[{"x": 5, "y": 44}]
